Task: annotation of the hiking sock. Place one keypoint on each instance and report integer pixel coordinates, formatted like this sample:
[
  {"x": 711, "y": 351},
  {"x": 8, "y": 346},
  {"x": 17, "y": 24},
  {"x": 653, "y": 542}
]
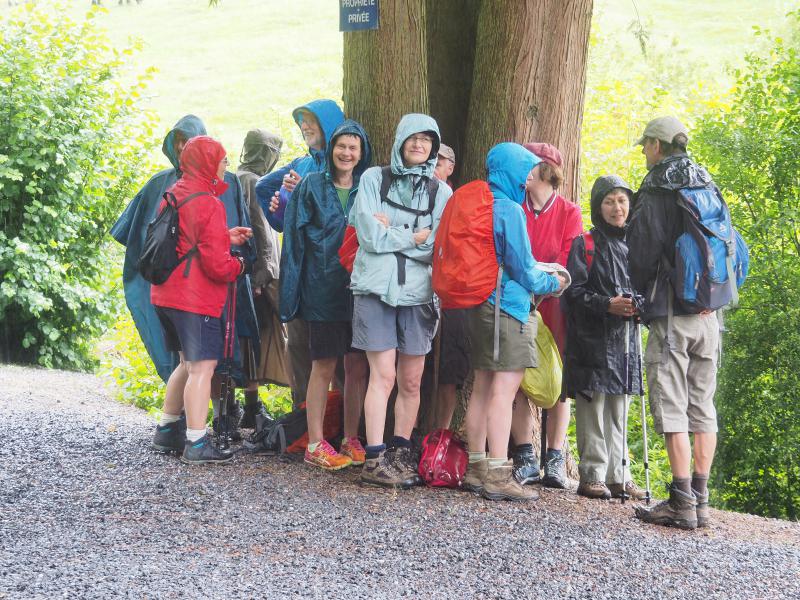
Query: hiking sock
[
  {"x": 166, "y": 419},
  {"x": 683, "y": 484},
  {"x": 496, "y": 462},
  {"x": 251, "y": 398},
  {"x": 194, "y": 434},
  {"x": 700, "y": 483},
  {"x": 523, "y": 448},
  {"x": 476, "y": 456},
  {"x": 375, "y": 451},
  {"x": 400, "y": 442},
  {"x": 312, "y": 447}
]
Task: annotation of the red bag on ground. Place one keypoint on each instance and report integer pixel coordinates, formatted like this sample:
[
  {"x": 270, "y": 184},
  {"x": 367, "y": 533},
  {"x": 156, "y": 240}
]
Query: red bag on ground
[
  {"x": 464, "y": 261},
  {"x": 444, "y": 459},
  {"x": 331, "y": 424}
]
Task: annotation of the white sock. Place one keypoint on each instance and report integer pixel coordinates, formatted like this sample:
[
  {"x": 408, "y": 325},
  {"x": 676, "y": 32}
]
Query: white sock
[
  {"x": 166, "y": 419},
  {"x": 476, "y": 456},
  {"x": 194, "y": 434},
  {"x": 497, "y": 462}
]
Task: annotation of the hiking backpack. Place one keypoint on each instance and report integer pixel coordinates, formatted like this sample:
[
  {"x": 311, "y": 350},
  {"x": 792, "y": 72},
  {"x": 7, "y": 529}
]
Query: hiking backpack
[
  {"x": 465, "y": 268},
  {"x": 159, "y": 257},
  {"x": 711, "y": 258},
  {"x": 349, "y": 247}
]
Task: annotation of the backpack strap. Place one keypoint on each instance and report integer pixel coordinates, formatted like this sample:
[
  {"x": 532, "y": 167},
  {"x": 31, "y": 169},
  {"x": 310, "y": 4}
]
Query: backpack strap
[
  {"x": 588, "y": 246},
  {"x": 497, "y": 297},
  {"x": 193, "y": 250}
]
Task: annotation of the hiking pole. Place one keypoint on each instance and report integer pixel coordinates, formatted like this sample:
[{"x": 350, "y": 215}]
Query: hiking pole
[
  {"x": 226, "y": 385},
  {"x": 625, "y": 405},
  {"x": 643, "y": 399}
]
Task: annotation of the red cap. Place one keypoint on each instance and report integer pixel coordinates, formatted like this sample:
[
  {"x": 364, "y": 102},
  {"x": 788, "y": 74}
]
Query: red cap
[{"x": 547, "y": 152}]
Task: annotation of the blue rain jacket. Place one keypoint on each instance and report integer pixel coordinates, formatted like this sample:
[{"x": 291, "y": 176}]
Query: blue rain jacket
[
  {"x": 330, "y": 116},
  {"x": 508, "y": 166},
  {"x": 130, "y": 230},
  {"x": 313, "y": 284}
]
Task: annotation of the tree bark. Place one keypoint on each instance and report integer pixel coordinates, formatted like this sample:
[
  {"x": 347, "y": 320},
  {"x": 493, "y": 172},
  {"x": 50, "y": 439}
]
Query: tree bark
[
  {"x": 529, "y": 80},
  {"x": 386, "y": 72}
]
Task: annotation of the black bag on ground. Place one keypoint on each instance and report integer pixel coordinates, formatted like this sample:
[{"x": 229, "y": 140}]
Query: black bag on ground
[
  {"x": 274, "y": 436},
  {"x": 159, "y": 256}
]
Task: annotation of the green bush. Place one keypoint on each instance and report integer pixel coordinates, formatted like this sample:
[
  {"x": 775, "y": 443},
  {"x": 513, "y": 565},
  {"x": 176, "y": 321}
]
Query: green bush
[
  {"x": 72, "y": 139},
  {"x": 752, "y": 149}
]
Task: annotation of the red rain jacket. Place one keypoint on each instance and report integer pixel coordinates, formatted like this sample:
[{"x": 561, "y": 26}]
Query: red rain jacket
[
  {"x": 202, "y": 223},
  {"x": 551, "y": 234}
]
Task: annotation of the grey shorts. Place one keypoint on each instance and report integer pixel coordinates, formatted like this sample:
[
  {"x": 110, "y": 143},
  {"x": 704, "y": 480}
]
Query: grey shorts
[
  {"x": 378, "y": 327},
  {"x": 682, "y": 387}
]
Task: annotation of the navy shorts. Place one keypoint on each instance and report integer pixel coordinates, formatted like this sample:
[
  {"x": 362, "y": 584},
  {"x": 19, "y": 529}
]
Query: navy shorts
[
  {"x": 329, "y": 339},
  {"x": 198, "y": 337}
]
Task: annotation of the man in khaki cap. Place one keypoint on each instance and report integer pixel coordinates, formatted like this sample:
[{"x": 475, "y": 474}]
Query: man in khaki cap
[
  {"x": 445, "y": 164},
  {"x": 681, "y": 355}
]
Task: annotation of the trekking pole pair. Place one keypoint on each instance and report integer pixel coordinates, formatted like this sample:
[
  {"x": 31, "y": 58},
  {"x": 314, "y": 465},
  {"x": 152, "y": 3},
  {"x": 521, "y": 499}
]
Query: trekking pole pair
[{"x": 226, "y": 387}]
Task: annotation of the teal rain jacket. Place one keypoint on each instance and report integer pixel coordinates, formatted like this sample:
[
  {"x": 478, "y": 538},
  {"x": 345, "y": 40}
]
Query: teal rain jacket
[
  {"x": 313, "y": 284},
  {"x": 508, "y": 166},
  {"x": 330, "y": 116},
  {"x": 375, "y": 268},
  {"x": 130, "y": 230}
]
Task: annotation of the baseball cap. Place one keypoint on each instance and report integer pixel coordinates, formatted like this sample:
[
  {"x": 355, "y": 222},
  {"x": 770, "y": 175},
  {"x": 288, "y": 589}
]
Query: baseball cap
[
  {"x": 446, "y": 151},
  {"x": 547, "y": 152},
  {"x": 664, "y": 129}
]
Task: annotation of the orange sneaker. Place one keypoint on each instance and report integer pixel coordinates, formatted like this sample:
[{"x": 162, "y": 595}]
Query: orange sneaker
[
  {"x": 352, "y": 447},
  {"x": 325, "y": 457}
]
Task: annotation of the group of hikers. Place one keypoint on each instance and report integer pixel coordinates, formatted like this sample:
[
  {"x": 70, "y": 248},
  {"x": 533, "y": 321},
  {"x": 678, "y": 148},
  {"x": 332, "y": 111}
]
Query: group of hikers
[{"x": 310, "y": 317}]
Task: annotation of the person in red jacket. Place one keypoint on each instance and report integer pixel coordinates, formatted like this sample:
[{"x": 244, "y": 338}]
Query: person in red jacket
[
  {"x": 553, "y": 222},
  {"x": 189, "y": 304}
]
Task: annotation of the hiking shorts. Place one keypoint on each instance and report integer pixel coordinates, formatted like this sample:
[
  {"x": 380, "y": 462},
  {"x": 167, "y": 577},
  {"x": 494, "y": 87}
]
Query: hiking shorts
[
  {"x": 378, "y": 326},
  {"x": 517, "y": 340},
  {"x": 682, "y": 387},
  {"x": 454, "y": 364},
  {"x": 329, "y": 339},
  {"x": 198, "y": 337}
]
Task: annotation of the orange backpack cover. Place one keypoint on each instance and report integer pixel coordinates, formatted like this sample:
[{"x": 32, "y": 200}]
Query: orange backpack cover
[{"x": 464, "y": 260}]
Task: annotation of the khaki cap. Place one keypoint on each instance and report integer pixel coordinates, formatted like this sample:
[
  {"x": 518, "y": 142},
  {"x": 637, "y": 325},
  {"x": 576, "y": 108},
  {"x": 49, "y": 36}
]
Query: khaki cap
[
  {"x": 446, "y": 151},
  {"x": 664, "y": 129}
]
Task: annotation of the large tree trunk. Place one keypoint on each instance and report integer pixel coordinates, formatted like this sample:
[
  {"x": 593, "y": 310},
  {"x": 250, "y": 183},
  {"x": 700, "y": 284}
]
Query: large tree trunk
[
  {"x": 386, "y": 72},
  {"x": 529, "y": 79}
]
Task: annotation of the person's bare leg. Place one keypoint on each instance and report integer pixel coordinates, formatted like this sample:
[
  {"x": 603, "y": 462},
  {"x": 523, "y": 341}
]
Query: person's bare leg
[
  {"x": 406, "y": 407},
  {"x": 498, "y": 423},
  {"x": 317, "y": 396},
  {"x": 197, "y": 392},
  {"x": 475, "y": 419},
  {"x": 705, "y": 444},
  {"x": 355, "y": 388},
  {"x": 521, "y": 421},
  {"x": 557, "y": 423},
  {"x": 679, "y": 452},
  {"x": 446, "y": 402},
  {"x": 173, "y": 398},
  {"x": 381, "y": 382}
]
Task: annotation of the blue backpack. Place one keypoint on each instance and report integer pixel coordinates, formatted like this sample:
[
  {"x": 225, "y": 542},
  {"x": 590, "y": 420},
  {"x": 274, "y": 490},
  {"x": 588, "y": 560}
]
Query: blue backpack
[{"x": 711, "y": 258}]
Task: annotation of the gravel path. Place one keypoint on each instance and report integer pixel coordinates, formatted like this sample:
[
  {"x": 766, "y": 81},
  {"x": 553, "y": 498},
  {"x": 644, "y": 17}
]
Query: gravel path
[{"x": 88, "y": 511}]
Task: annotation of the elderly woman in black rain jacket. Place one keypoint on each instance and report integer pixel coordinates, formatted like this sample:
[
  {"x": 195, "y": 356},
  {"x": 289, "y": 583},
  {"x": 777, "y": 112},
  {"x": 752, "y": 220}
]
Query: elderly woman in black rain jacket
[{"x": 594, "y": 370}]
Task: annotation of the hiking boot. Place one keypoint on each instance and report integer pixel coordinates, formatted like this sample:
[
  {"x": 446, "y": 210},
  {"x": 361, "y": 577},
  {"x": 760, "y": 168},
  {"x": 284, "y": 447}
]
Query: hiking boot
[
  {"x": 352, "y": 447},
  {"x": 632, "y": 491},
  {"x": 555, "y": 470},
  {"x": 251, "y": 411},
  {"x": 500, "y": 484},
  {"x": 526, "y": 466},
  {"x": 679, "y": 511},
  {"x": 405, "y": 461},
  {"x": 703, "y": 516},
  {"x": 594, "y": 489},
  {"x": 203, "y": 451},
  {"x": 382, "y": 472},
  {"x": 170, "y": 437},
  {"x": 325, "y": 457},
  {"x": 475, "y": 476}
]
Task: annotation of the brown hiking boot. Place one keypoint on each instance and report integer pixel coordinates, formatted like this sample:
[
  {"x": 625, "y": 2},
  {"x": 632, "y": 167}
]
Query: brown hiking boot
[
  {"x": 632, "y": 491},
  {"x": 381, "y": 472},
  {"x": 679, "y": 511},
  {"x": 703, "y": 516},
  {"x": 500, "y": 484},
  {"x": 475, "y": 476},
  {"x": 405, "y": 462},
  {"x": 594, "y": 489}
]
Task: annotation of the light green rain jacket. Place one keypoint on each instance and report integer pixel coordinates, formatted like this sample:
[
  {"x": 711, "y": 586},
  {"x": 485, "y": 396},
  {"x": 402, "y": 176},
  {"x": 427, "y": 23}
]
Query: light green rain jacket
[{"x": 376, "y": 266}]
